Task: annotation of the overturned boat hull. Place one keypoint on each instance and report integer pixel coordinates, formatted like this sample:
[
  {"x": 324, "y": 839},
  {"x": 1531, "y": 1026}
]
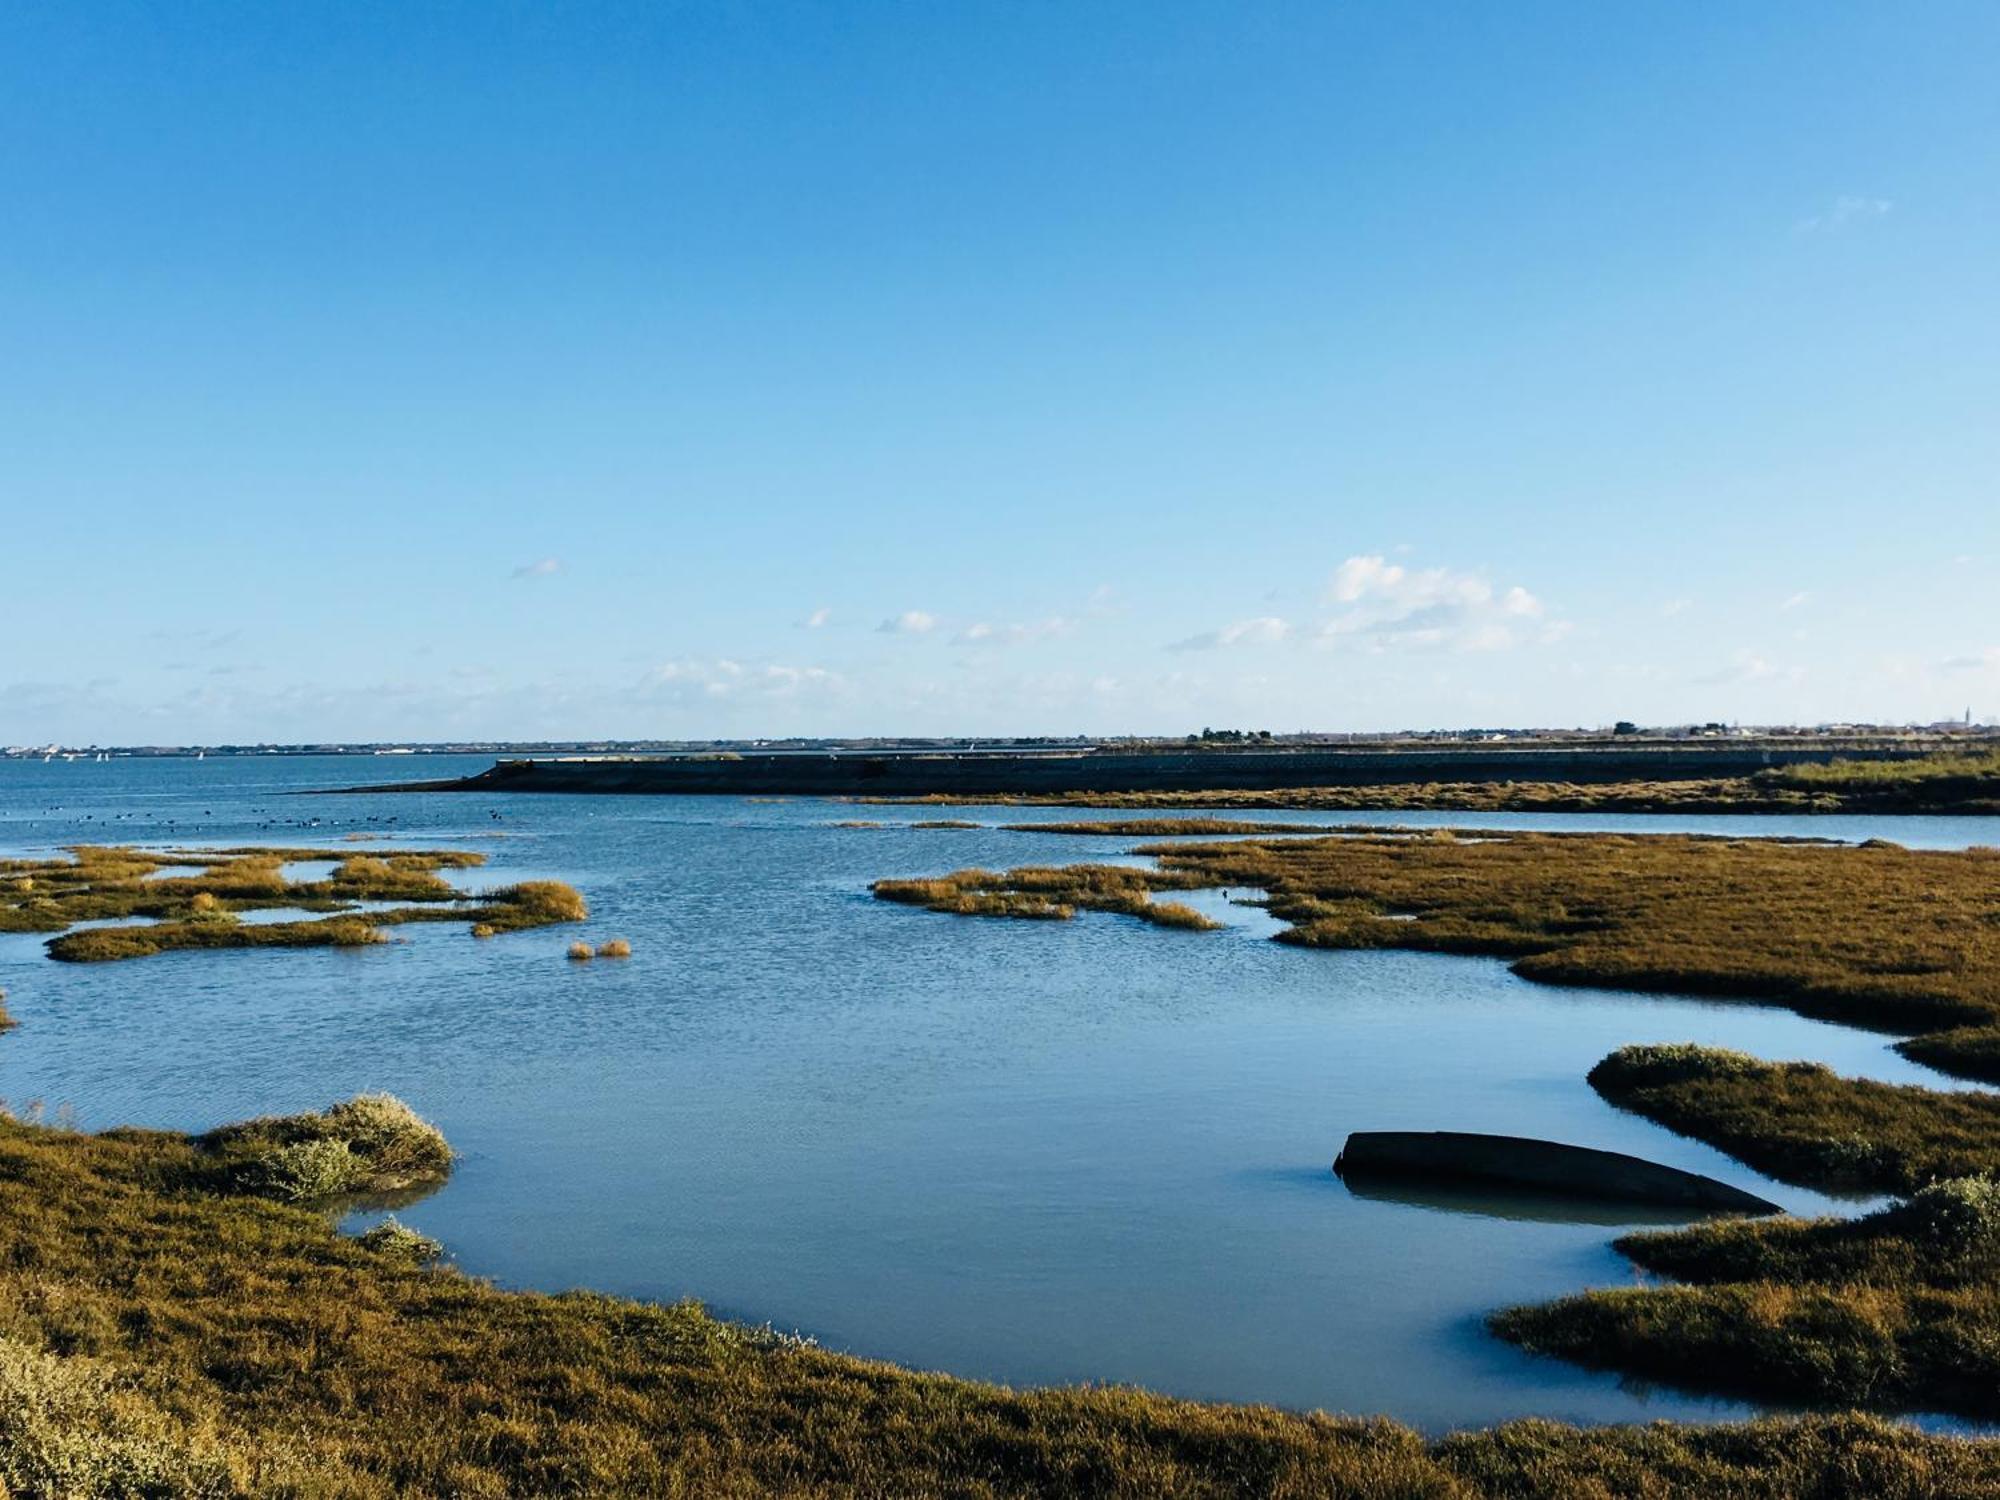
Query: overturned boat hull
[{"x": 1543, "y": 1166}]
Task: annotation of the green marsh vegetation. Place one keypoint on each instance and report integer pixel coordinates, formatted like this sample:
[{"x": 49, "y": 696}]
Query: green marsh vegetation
[
  {"x": 1803, "y": 1123},
  {"x": 1872, "y": 935},
  {"x": 182, "y": 899},
  {"x": 167, "y": 1334},
  {"x": 1950, "y": 783},
  {"x": 1050, "y": 894},
  {"x": 1897, "y": 1310},
  {"x": 1974, "y": 774},
  {"x": 1165, "y": 828},
  {"x": 372, "y": 1143}
]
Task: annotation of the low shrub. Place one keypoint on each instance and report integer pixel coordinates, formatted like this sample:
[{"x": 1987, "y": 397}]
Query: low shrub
[
  {"x": 371, "y": 1143},
  {"x": 399, "y": 1242}
]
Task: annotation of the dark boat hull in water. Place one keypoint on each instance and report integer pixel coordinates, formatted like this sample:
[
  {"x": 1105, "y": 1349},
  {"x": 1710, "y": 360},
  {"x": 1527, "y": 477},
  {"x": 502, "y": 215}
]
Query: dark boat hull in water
[{"x": 1544, "y": 1166}]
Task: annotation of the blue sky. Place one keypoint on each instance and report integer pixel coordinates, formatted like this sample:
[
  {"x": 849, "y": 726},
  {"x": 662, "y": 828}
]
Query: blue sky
[{"x": 385, "y": 371}]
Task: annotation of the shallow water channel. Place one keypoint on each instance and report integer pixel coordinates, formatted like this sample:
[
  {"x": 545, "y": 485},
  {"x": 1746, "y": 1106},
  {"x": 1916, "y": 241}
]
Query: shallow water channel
[{"x": 1030, "y": 1152}]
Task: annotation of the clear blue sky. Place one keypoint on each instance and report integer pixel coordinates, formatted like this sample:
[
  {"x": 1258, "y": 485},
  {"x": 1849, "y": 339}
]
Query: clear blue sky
[{"x": 407, "y": 370}]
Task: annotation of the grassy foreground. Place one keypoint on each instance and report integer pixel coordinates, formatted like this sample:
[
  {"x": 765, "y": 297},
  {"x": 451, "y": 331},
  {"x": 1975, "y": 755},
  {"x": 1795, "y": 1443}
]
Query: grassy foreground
[
  {"x": 162, "y": 1334},
  {"x": 203, "y": 909}
]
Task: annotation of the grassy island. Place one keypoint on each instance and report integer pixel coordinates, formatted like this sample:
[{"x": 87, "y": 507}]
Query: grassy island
[
  {"x": 1897, "y": 1310},
  {"x": 196, "y": 898}
]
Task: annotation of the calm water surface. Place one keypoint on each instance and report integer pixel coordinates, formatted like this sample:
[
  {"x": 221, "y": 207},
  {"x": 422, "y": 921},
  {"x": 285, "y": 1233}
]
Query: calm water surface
[{"x": 1029, "y": 1152}]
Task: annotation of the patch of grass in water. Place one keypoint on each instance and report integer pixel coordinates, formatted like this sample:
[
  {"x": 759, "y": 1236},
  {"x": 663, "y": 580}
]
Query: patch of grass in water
[
  {"x": 372, "y": 1143},
  {"x": 200, "y": 911},
  {"x": 1048, "y": 894}
]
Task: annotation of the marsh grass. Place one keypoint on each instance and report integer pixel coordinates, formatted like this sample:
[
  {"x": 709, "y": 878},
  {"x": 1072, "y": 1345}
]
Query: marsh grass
[
  {"x": 372, "y": 1143},
  {"x": 1895, "y": 939},
  {"x": 1903, "y": 1309},
  {"x": 1703, "y": 795},
  {"x": 1804, "y": 1123},
  {"x": 1975, "y": 771},
  {"x": 399, "y": 1242},
  {"x": 615, "y": 948},
  {"x": 1147, "y": 828},
  {"x": 100, "y": 883},
  {"x": 1055, "y": 894},
  {"x": 163, "y": 1339},
  {"x": 1897, "y": 1309},
  {"x": 1945, "y": 783}
]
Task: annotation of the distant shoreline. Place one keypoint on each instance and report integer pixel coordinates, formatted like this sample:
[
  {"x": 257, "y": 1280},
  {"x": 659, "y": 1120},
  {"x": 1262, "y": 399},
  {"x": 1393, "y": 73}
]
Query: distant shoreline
[{"x": 1600, "y": 777}]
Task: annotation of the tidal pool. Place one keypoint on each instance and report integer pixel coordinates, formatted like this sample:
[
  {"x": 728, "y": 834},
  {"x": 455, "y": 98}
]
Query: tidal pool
[{"x": 1030, "y": 1152}]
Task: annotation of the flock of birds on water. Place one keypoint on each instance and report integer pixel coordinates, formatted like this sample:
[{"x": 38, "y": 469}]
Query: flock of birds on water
[{"x": 269, "y": 822}]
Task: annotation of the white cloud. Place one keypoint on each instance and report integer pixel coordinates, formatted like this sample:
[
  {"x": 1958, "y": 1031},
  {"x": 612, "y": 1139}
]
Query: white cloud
[
  {"x": 1847, "y": 209},
  {"x": 548, "y": 567},
  {"x": 981, "y": 633},
  {"x": 1979, "y": 661},
  {"x": 817, "y": 619},
  {"x": 1751, "y": 666},
  {"x": 721, "y": 677},
  {"x": 1676, "y": 607},
  {"x": 1266, "y": 630},
  {"x": 909, "y": 622},
  {"x": 1794, "y": 601},
  {"x": 1388, "y": 606}
]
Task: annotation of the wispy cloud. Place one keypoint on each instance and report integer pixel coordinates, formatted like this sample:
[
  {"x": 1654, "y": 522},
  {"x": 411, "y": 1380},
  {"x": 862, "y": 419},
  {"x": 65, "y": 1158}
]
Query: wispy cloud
[
  {"x": 548, "y": 567},
  {"x": 1676, "y": 607},
  {"x": 1795, "y": 601},
  {"x": 1846, "y": 210},
  {"x": 1978, "y": 661},
  {"x": 909, "y": 622},
  {"x": 1265, "y": 630},
  {"x": 1389, "y": 606},
  {"x": 1751, "y": 666},
  {"x": 690, "y": 678},
  {"x": 983, "y": 633},
  {"x": 817, "y": 619}
]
